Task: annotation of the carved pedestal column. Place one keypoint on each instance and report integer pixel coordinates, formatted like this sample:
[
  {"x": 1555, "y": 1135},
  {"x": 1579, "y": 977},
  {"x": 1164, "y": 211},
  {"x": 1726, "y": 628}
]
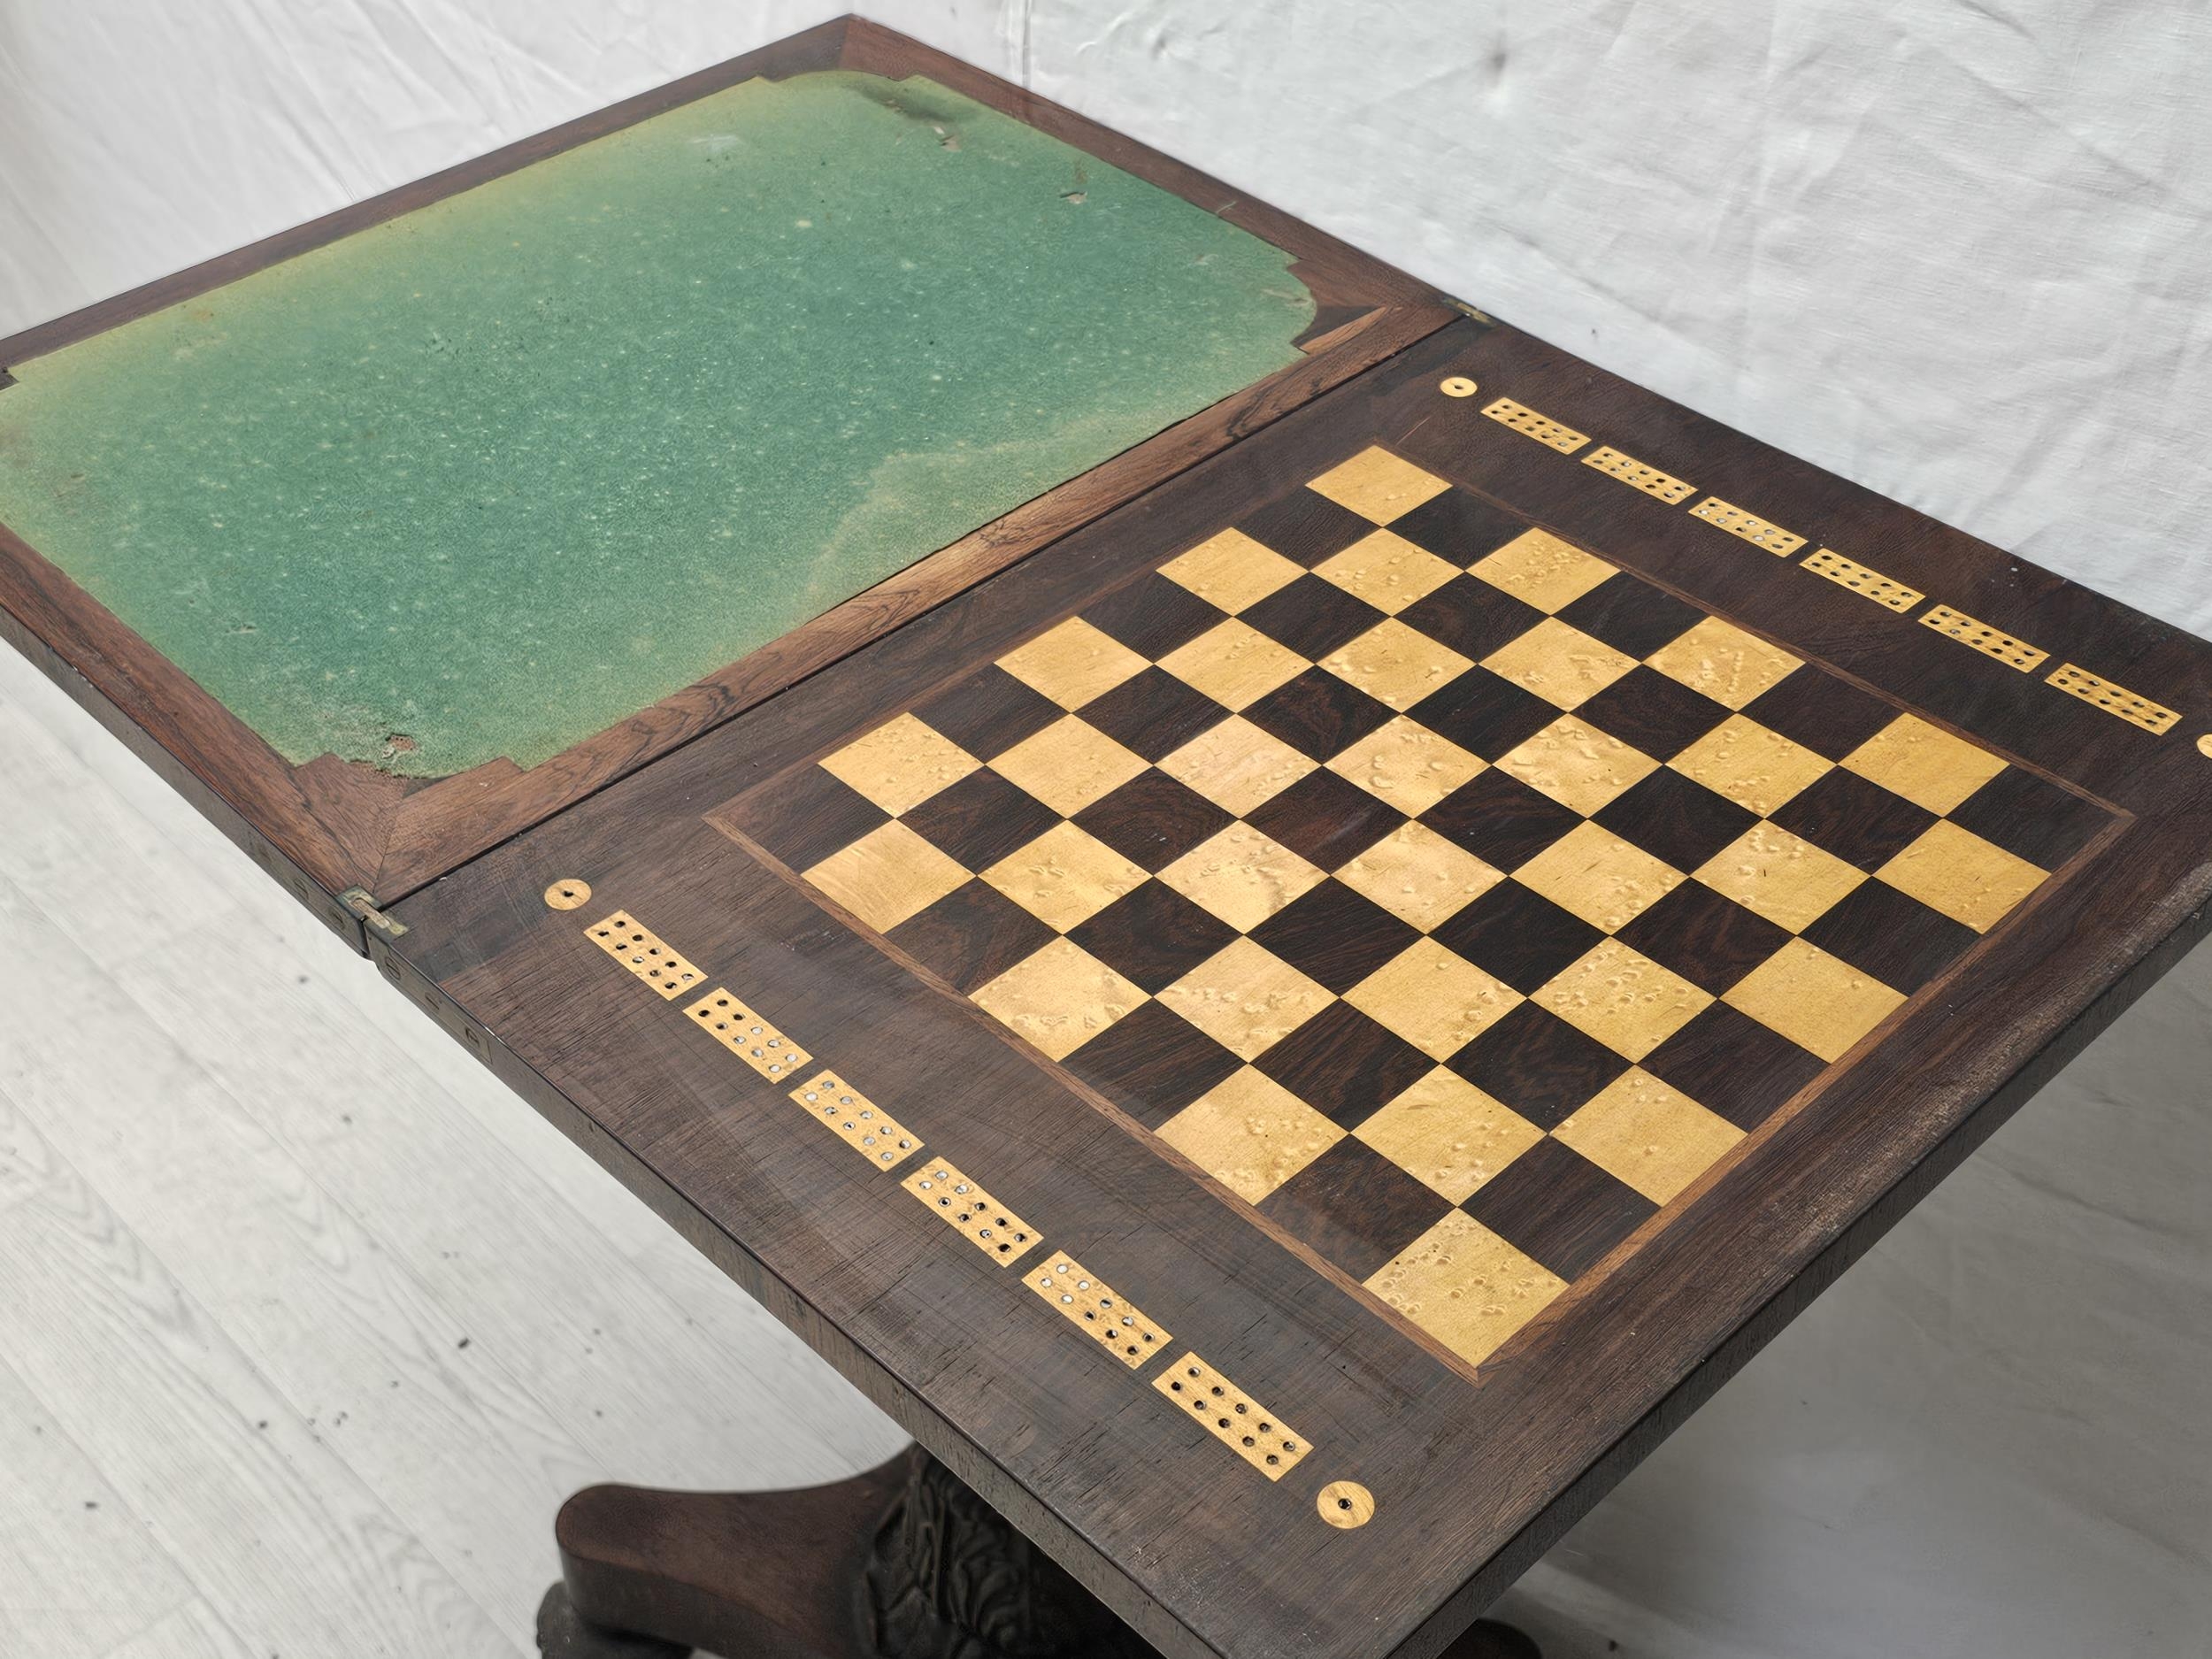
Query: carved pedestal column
[{"x": 904, "y": 1562}]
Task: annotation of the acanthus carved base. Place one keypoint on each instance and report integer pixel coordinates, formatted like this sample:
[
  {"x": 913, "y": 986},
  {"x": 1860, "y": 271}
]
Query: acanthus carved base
[
  {"x": 950, "y": 1579},
  {"x": 904, "y": 1562}
]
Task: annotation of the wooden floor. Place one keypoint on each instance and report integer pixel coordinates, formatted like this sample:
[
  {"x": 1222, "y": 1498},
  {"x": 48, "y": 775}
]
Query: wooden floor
[
  {"x": 301, "y": 1368},
  {"x": 290, "y": 1366}
]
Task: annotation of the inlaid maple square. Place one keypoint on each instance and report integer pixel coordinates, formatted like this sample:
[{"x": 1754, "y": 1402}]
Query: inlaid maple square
[
  {"x": 1752, "y": 766},
  {"x": 1968, "y": 879},
  {"x": 1593, "y": 873},
  {"x": 1724, "y": 663},
  {"x": 1538, "y": 568},
  {"x": 1577, "y": 765},
  {"x": 1445, "y": 1132},
  {"x": 1073, "y": 662},
  {"x": 1230, "y": 570},
  {"x": 1623, "y": 998},
  {"x": 1069, "y": 765},
  {"x": 901, "y": 763},
  {"x": 1246, "y": 998},
  {"x": 1406, "y": 764},
  {"x": 1378, "y": 486},
  {"x": 1649, "y": 1135},
  {"x": 1235, "y": 663},
  {"x": 1236, "y": 765},
  {"x": 1064, "y": 877},
  {"x": 1782, "y": 877},
  {"x": 1466, "y": 1287},
  {"x": 888, "y": 875},
  {"x": 1396, "y": 665},
  {"x": 1924, "y": 763},
  {"x": 1386, "y": 571},
  {"x": 1562, "y": 664},
  {"x": 1434, "y": 998},
  {"x": 1818, "y": 1001},
  {"x": 1250, "y": 1133},
  {"x": 1418, "y": 876},
  {"x": 1241, "y": 875},
  {"x": 1059, "y": 999}
]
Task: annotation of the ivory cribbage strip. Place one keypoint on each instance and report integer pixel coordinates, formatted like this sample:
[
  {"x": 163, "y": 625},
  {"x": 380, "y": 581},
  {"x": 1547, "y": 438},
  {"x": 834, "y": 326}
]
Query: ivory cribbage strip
[
  {"x": 2130, "y": 706},
  {"x": 1098, "y": 1309},
  {"x": 1868, "y": 584},
  {"x": 1979, "y": 636},
  {"x": 856, "y": 1120},
  {"x": 993, "y": 1229},
  {"x": 1748, "y": 525},
  {"x": 1529, "y": 424},
  {"x": 748, "y": 1036},
  {"x": 1259, "y": 1436},
  {"x": 640, "y": 950},
  {"x": 1635, "y": 473}
]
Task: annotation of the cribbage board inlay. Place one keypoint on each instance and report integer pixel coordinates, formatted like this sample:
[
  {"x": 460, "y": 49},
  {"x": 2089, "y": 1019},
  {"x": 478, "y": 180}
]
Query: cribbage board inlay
[{"x": 1450, "y": 896}]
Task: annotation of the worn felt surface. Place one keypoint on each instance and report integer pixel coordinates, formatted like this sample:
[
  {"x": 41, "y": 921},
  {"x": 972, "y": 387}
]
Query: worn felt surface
[{"x": 482, "y": 480}]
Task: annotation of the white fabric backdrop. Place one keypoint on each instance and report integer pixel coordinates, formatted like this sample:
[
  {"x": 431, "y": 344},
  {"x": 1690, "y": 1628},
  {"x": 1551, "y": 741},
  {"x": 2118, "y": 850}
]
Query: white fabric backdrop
[{"x": 1955, "y": 251}]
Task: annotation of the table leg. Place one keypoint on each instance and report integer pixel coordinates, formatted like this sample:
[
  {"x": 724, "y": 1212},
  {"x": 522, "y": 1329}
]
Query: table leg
[{"x": 903, "y": 1561}]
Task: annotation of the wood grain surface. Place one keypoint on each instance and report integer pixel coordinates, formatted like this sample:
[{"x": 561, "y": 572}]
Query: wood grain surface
[{"x": 1472, "y": 1470}]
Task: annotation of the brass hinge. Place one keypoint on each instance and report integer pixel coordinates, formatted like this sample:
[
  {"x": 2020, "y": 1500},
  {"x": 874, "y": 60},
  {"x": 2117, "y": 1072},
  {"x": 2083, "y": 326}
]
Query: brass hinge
[{"x": 359, "y": 901}]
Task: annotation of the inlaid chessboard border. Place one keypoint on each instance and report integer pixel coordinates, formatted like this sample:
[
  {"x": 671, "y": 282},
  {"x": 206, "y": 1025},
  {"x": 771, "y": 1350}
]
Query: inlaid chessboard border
[
  {"x": 1323, "y": 567},
  {"x": 1824, "y": 562},
  {"x": 1552, "y": 1422}
]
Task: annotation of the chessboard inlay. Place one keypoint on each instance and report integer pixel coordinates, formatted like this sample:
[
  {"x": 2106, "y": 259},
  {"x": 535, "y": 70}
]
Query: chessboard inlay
[{"x": 1455, "y": 898}]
